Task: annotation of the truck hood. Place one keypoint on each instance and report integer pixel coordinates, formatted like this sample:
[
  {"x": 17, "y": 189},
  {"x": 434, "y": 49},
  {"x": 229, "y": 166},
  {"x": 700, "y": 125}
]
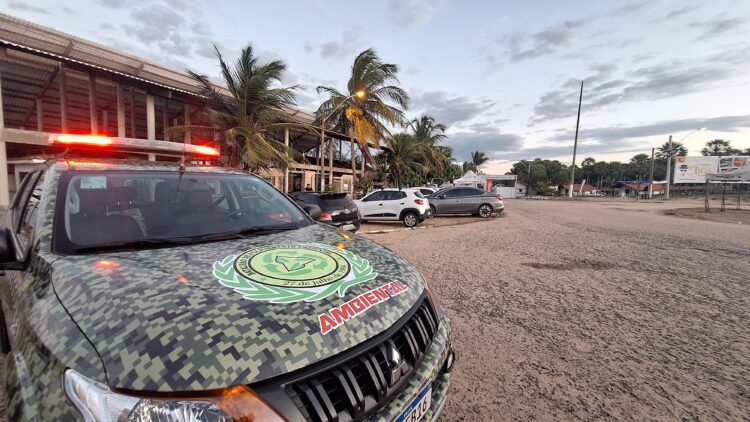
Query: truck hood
[{"x": 213, "y": 315}]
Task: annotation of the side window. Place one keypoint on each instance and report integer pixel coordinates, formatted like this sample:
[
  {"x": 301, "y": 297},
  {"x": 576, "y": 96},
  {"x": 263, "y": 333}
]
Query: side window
[
  {"x": 471, "y": 192},
  {"x": 30, "y": 213},
  {"x": 396, "y": 195},
  {"x": 375, "y": 196},
  {"x": 453, "y": 193}
]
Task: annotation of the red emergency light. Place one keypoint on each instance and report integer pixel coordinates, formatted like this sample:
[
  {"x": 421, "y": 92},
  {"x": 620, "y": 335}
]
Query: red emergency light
[
  {"x": 94, "y": 140},
  {"x": 129, "y": 144}
]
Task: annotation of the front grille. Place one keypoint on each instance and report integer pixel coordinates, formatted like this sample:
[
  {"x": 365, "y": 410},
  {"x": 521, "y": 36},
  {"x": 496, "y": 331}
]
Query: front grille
[{"x": 364, "y": 383}]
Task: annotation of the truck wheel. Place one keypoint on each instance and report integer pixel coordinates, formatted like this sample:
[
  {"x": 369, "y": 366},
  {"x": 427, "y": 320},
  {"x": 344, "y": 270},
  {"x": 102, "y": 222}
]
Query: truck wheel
[
  {"x": 485, "y": 211},
  {"x": 410, "y": 219}
]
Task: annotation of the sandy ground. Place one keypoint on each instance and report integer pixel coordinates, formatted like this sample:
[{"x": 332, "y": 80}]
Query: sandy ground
[{"x": 592, "y": 310}]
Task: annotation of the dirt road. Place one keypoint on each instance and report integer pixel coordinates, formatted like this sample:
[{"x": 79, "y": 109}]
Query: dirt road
[{"x": 608, "y": 310}]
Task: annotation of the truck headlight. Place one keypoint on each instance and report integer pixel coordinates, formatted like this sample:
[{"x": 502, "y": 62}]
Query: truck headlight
[{"x": 98, "y": 403}]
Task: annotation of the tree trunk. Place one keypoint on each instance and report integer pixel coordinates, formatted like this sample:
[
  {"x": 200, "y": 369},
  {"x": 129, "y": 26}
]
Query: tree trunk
[
  {"x": 354, "y": 163},
  {"x": 363, "y": 159}
]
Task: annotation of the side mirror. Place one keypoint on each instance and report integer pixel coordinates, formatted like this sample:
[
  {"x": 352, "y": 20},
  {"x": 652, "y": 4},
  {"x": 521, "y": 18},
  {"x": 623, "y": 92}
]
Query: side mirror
[
  {"x": 441, "y": 196},
  {"x": 312, "y": 210},
  {"x": 8, "y": 259}
]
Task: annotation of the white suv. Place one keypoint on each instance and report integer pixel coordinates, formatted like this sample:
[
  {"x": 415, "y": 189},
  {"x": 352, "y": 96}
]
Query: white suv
[{"x": 407, "y": 205}]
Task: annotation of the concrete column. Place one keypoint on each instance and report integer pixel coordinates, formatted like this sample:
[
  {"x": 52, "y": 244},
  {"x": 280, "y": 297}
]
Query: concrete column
[
  {"x": 93, "y": 115},
  {"x": 286, "y": 170},
  {"x": 150, "y": 118},
  {"x": 4, "y": 185},
  {"x": 63, "y": 101},
  {"x": 330, "y": 161},
  {"x": 187, "y": 123},
  {"x": 39, "y": 115},
  {"x": 132, "y": 113},
  {"x": 120, "y": 112},
  {"x": 165, "y": 118}
]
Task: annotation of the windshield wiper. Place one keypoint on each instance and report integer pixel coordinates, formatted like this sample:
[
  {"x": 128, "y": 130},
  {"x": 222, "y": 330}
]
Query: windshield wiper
[
  {"x": 131, "y": 244},
  {"x": 179, "y": 241},
  {"x": 244, "y": 233}
]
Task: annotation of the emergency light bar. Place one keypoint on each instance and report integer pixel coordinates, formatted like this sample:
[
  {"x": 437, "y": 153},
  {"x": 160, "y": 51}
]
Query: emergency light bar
[{"x": 130, "y": 144}]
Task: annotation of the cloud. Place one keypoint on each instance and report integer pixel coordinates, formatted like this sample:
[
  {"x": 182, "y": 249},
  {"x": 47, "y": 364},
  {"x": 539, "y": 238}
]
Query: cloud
[
  {"x": 19, "y": 5},
  {"x": 604, "y": 87},
  {"x": 719, "y": 27},
  {"x": 676, "y": 14},
  {"x": 492, "y": 142},
  {"x": 116, "y": 4},
  {"x": 521, "y": 46},
  {"x": 449, "y": 108},
  {"x": 412, "y": 14},
  {"x": 664, "y": 127},
  {"x": 345, "y": 46}
]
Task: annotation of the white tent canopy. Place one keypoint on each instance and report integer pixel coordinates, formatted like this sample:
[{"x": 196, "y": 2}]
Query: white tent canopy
[{"x": 470, "y": 179}]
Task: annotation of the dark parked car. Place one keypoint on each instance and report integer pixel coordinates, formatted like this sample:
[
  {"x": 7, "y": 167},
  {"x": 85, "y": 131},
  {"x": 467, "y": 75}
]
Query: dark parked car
[
  {"x": 336, "y": 208},
  {"x": 460, "y": 200}
]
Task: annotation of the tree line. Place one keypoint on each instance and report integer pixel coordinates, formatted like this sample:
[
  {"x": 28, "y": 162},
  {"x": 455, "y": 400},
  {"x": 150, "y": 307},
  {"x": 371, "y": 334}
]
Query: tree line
[{"x": 540, "y": 174}]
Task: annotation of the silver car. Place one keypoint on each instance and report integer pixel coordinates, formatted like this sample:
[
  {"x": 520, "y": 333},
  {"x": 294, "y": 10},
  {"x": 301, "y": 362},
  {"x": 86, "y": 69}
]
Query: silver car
[{"x": 460, "y": 200}]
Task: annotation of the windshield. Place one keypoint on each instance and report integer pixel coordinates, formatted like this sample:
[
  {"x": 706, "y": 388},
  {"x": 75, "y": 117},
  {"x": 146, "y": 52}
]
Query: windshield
[
  {"x": 139, "y": 209},
  {"x": 335, "y": 201}
]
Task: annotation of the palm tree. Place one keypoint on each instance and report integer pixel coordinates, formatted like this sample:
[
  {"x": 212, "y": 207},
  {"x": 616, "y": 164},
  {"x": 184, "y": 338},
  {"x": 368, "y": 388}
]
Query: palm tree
[
  {"x": 428, "y": 134},
  {"x": 718, "y": 147},
  {"x": 365, "y": 108},
  {"x": 403, "y": 156},
  {"x": 678, "y": 149},
  {"x": 478, "y": 158},
  {"x": 252, "y": 118}
]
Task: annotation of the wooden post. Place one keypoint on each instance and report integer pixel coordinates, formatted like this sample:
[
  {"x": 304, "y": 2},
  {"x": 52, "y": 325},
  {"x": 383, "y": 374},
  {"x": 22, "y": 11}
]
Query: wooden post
[
  {"x": 39, "y": 115},
  {"x": 4, "y": 186},
  {"x": 165, "y": 118},
  {"x": 105, "y": 122},
  {"x": 132, "y": 113},
  {"x": 63, "y": 101},
  {"x": 93, "y": 117},
  {"x": 187, "y": 124},
  {"x": 120, "y": 112},
  {"x": 330, "y": 162},
  {"x": 150, "y": 118},
  {"x": 705, "y": 197}
]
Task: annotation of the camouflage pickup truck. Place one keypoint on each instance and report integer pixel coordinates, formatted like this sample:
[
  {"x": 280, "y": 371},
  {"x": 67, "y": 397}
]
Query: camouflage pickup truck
[{"x": 142, "y": 291}]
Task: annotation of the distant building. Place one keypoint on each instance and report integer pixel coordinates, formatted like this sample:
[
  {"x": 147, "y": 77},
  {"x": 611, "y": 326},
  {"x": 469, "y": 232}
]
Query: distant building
[
  {"x": 634, "y": 188},
  {"x": 578, "y": 189}
]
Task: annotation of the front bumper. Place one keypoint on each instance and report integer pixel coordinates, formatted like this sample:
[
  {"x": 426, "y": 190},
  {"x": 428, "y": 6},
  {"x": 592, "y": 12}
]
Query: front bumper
[{"x": 431, "y": 367}]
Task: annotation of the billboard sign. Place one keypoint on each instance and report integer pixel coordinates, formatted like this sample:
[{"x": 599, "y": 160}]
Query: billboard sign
[{"x": 694, "y": 169}]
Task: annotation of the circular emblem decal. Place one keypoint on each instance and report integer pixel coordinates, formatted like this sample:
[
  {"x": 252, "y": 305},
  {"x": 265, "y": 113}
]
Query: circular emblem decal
[
  {"x": 292, "y": 272},
  {"x": 299, "y": 266}
]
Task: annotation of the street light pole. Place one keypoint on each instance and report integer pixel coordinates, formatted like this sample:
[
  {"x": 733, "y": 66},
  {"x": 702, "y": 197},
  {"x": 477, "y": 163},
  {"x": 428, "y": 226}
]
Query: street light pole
[
  {"x": 670, "y": 156},
  {"x": 669, "y": 167},
  {"x": 651, "y": 176},
  {"x": 575, "y": 145}
]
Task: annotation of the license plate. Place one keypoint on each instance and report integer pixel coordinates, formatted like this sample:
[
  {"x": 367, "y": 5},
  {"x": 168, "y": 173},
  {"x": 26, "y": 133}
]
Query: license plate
[
  {"x": 418, "y": 407},
  {"x": 348, "y": 227}
]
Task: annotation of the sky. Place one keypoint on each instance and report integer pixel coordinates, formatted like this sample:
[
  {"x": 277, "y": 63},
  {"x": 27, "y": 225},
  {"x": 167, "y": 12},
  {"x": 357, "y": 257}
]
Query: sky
[{"x": 504, "y": 76}]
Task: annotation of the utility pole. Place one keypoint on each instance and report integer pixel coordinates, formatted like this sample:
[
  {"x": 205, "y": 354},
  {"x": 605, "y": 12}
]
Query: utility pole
[
  {"x": 651, "y": 177},
  {"x": 669, "y": 167},
  {"x": 528, "y": 177},
  {"x": 575, "y": 145}
]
